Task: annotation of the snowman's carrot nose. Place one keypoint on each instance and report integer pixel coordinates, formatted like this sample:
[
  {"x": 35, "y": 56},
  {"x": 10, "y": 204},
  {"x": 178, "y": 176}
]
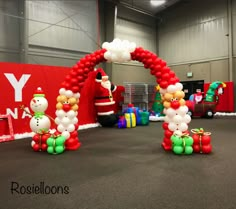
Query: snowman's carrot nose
[{"x": 34, "y": 100}]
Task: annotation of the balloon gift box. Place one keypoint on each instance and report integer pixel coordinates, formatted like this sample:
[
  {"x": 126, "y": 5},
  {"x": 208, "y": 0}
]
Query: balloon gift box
[
  {"x": 182, "y": 144},
  {"x": 56, "y": 144},
  {"x": 201, "y": 141},
  {"x": 39, "y": 141}
]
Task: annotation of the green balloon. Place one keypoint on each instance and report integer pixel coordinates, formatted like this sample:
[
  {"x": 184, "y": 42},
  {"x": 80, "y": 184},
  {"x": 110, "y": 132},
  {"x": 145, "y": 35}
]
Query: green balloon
[
  {"x": 178, "y": 150},
  {"x": 59, "y": 149},
  {"x": 50, "y": 150},
  {"x": 50, "y": 141},
  {"x": 188, "y": 140},
  {"x": 60, "y": 140},
  {"x": 188, "y": 150},
  {"x": 178, "y": 141},
  {"x": 173, "y": 137}
]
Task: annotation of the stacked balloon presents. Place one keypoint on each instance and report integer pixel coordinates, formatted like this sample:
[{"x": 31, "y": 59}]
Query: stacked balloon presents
[
  {"x": 133, "y": 116},
  {"x": 199, "y": 142}
]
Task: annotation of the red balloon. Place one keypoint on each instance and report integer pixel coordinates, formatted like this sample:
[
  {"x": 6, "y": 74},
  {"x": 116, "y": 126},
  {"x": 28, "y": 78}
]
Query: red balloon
[
  {"x": 44, "y": 138},
  {"x": 86, "y": 70},
  {"x": 80, "y": 78},
  {"x": 74, "y": 80},
  {"x": 87, "y": 64},
  {"x": 165, "y": 126},
  {"x": 165, "y": 76},
  {"x": 73, "y": 73},
  {"x": 68, "y": 78},
  {"x": 172, "y": 81},
  {"x": 172, "y": 74},
  {"x": 74, "y": 134},
  {"x": 158, "y": 68},
  {"x": 206, "y": 149},
  {"x": 206, "y": 139},
  {"x": 196, "y": 148},
  {"x": 75, "y": 89},
  {"x": 44, "y": 147},
  {"x": 164, "y": 84},
  {"x": 81, "y": 84},
  {"x": 36, "y": 138},
  {"x": 75, "y": 67},
  {"x": 196, "y": 138},
  {"x": 158, "y": 74},
  {"x": 166, "y": 69},
  {"x": 175, "y": 104},
  {"x": 66, "y": 107},
  {"x": 168, "y": 133},
  {"x": 80, "y": 65},
  {"x": 163, "y": 63},
  {"x": 36, "y": 147}
]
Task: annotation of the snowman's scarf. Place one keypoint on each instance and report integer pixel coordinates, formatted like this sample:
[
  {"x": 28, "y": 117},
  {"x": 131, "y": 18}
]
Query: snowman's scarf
[{"x": 38, "y": 115}]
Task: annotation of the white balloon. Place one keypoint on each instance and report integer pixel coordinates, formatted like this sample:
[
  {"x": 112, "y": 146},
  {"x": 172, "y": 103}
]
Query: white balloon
[
  {"x": 71, "y": 128},
  {"x": 183, "y": 127},
  {"x": 170, "y": 112},
  {"x": 65, "y": 121},
  {"x": 69, "y": 93},
  {"x": 172, "y": 126},
  {"x": 182, "y": 110},
  {"x": 60, "y": 128},
  {"x": 171, "y": 89},
  {"x": 107, "y": 55},
  {"x": 75, "y": 120},
  {"x": 105, "y": 45},
  {"x": 132, "y": 47},
  {"x": 62, "y": 91},
  {"x": 179, "y": 86},
  {"x": 164, "y": 110},
  {"x": 117, "y": 41},
  {"x": 167, "y": 119},
  {"x": 77, "y": 95},
  {"x": 32, "y": 143},
  {"x": 162, "y": 91},
  {"x": 37, "y": 124},
  {"x": 66, "y": 134},
  {"x": 187, "y": 118},
  {"x": 178, "y": 119},
  {"x": 126, "y": 56},
  {"x": 178, "y": 133},
  {"x": 57, "y": 121},
  {"x": 114, "y": 57},
  {"x": 71, "y": 114},
  {"x": 60, "y": 114}
]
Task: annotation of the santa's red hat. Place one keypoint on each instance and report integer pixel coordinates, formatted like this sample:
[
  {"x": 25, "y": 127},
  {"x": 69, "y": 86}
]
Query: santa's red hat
[
  {"x": 101, "y": 75},
  {"x": 39, "y": 92}
]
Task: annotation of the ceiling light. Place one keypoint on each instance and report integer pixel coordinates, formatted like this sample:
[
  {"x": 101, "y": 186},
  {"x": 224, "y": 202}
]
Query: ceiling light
[{"x": 157, "y": 2}]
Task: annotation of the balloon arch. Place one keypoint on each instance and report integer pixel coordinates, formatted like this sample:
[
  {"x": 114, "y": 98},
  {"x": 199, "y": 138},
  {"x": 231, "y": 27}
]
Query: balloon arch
[{"x": 176, "y": 118}]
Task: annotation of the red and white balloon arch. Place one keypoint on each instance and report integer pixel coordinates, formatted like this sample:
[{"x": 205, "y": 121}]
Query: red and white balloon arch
[{"x": 176, "y": 120}]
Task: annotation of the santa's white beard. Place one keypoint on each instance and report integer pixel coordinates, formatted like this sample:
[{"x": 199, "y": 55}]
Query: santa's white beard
[{"x": 106, "y": 84}]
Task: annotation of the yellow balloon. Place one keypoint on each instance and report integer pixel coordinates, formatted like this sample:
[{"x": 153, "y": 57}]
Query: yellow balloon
[
  {"x": 166, "y": 104},
  {"x": 72, "y": 100},
  {"x": 179, "y": 94},
  {"x": 61, "y": 98},
  {"x": 59, "y": 106},
  {"x": 75, "y": 107},
  {"x": 182, "y": 102},
  {"x": 168, "y": 96}
]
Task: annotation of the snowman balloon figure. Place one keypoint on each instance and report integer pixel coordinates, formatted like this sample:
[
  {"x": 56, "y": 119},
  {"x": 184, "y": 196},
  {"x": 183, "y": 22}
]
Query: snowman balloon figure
[{"x": 39, "y": 123}]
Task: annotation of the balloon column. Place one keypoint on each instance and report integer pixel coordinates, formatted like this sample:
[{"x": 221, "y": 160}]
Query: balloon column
[
  {"x": 176, "y": 119},
  {"x": 39, "y": 123}
]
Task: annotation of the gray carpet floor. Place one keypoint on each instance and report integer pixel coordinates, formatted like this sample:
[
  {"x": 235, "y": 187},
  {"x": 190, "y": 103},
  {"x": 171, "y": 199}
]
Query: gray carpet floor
[{"x": 123, "y": 169}]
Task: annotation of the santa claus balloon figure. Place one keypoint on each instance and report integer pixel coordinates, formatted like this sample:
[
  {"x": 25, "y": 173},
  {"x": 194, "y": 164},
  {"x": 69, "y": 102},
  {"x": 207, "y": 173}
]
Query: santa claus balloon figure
[{"x": 104, "y": 101}]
